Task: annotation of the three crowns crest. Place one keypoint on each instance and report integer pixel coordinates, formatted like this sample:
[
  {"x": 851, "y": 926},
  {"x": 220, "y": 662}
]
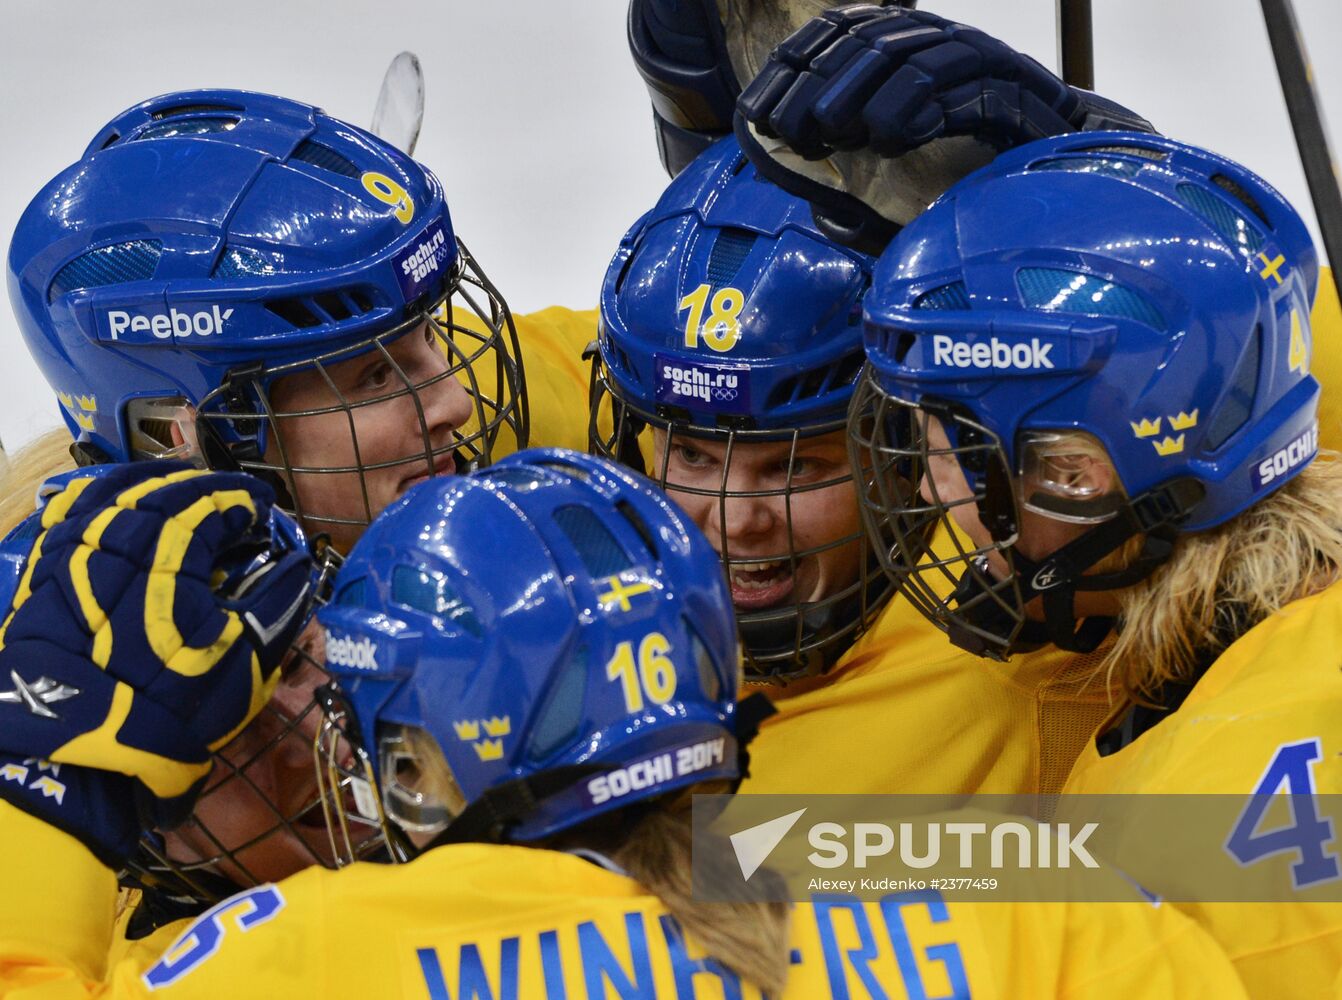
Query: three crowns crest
[
  {"x": 495, "y": 728},
  {"x": 1169, "y": 444}
]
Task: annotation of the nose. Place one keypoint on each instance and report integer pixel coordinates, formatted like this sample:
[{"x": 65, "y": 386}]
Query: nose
[
  {"x": 742, "y": 522},
  {"x": 447, "y": 404}
]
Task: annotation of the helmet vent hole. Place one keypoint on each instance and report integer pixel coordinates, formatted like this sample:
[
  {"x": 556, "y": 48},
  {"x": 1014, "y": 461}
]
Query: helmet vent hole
[
  {"x": 558, "y": 721},
  {"x": 361, "y": 299},
  {"x": 1237, "y": 404},
  {"x": 1232, "y": 226},
  {"x": 815, "y": 381},
  {"x": 1230, "y": 187},
  {"x": 1110, "y": 166},
  {"x": 1145, "y": 152},
  {"x": 728, "y": 254},
  {"x": 640, "y": 527},
  {"x": 952, "y": 296},
  {"x": 624, "y": 271},
  {"x": 710, "y": 682},
  {"x": 114, "y": 265},
  {"x": 846, "y": 371},
  {"x": 324, "y": 158},
  {"x": 239, "y": 261},
  {"x": 174, "y": 127},
  {"x": 600, "y": 552},
  {"x": 112, "y": 139},
  {"x": 192, "y": 109},
  {"x": 903, "y": 344},
  {"x": 294, "y": 312},
  {"x": 333, "y": 305},
  {"x": 1057, "y": 290},
  {"x": 429, "y": 592}
]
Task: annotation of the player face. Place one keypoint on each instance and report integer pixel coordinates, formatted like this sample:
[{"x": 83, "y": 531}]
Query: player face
[
  {"x": 944, "y": 483},
  {"x": 363, "y": 415},
  {"x": 797, "y": 539},
  {"x": 259, "y": 818}
]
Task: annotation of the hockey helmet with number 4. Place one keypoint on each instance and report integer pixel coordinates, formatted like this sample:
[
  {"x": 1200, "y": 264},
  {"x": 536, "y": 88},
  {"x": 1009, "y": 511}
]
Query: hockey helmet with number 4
[
  {"x": 209, "y": 242},
  {"x": 1112, "y": 302},
  {"x": 583, "y": 659}
]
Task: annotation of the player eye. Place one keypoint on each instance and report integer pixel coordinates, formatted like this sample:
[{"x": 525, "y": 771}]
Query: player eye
[
  {"x": 690, "y": 456},
  {"x": 377, "y": 377}
]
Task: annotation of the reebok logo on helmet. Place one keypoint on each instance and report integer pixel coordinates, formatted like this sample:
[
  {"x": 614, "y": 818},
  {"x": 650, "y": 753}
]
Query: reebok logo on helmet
[
  {"x": 344, "y": 651},
  {"x": 205, "y": 323},
  {"x": 995, "y": 353}
]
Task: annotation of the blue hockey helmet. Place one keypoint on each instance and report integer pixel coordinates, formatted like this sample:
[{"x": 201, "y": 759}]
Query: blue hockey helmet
[
  {"x": 728, "y": 321},
  {"x": 1088, "y": 308},
  {"x": 209, "y": 243},
  {"x": 550, "y": 633}
]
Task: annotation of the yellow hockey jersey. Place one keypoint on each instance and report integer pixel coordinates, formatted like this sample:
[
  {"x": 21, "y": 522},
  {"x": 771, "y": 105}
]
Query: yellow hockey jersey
[
  {"x": 483, "y": 921},
  {"x": 1266, "y": 717},
  {"x": 551, "y": 344},
  {"x": 905, "y": 711}
]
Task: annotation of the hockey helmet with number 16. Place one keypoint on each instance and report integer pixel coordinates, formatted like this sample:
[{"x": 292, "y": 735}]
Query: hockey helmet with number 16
[{"x": 489, "y": 698}]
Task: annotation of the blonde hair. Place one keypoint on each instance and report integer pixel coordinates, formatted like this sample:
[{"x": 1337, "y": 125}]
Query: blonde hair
[
  {"x": 1218, "y": 584},
  {"x": 27, "y": 469},
  {"x": 748, "y": 937}
]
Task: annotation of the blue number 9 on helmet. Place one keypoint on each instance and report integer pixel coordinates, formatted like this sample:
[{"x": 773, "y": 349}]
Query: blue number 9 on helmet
[
  {"x": 522, "y": 649},
  {"x": 244, "y": 280},
  {"x": 730, "y": 345},
  {"x": 1086, "y": 348}
]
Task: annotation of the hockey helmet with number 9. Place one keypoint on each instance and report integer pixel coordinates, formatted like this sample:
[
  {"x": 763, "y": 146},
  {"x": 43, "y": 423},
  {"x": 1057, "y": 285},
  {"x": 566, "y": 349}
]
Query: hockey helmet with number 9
[
  {"x": 1100, "y": 307},
  {"x": 210, "y": 242},
  {"x": 592, "y": 666}
]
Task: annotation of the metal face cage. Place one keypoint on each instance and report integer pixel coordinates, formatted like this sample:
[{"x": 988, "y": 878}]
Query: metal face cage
[
  {"x": 356, "y": 820},
  {"x": 262, "y": 813},
  {"x": 966, "y": 584},
  {"x": 793, "y": 637},
  {"x": 238, "y": 425}
]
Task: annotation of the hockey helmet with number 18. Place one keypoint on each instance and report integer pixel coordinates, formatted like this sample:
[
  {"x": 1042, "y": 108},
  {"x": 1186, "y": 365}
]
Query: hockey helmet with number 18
[
  {"x": 209, "y": 242},
  {"x": 593, "y": 666},
  {"x": 1115, "y": 302},
  {"x": 727, "y": 317}
]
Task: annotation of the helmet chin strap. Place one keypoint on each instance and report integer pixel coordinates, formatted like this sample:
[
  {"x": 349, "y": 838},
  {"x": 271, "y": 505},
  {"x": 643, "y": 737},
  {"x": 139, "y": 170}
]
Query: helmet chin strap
[{"x": 1057, "y": 579}]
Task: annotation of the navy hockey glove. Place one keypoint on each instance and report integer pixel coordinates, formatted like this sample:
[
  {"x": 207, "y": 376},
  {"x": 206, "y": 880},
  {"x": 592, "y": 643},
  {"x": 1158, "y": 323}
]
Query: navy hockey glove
[
  {"x": 694, "y": 55},
  {"x": 892, "y": 80},
  {"x": 149, "y": 607},
  {"x": 680, "y": 50},
  {"x": 887, "y": 82}
]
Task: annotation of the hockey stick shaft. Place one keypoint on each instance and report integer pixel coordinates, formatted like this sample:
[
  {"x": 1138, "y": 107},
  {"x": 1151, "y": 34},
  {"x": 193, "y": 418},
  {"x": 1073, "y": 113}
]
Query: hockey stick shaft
[
  {"x": 1076, "y": 43},
  {"x": 1311, "y": 136}
]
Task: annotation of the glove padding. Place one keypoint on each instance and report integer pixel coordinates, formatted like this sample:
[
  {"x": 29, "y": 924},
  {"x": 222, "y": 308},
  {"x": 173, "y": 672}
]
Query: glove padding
[
  {"x": 154, "y": 606},
  {"x": 872, "y": 112},
  {"x": 695, "y": 54}
]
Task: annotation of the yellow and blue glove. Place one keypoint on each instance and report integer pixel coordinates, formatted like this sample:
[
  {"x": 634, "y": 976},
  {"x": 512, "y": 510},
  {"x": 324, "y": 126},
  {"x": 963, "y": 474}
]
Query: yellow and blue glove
[{"x": 149, "y": 606}]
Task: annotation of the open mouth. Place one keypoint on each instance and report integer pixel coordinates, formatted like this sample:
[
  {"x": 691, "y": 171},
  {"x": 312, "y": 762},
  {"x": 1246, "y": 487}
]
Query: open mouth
[{"x": 761, "y": 584}]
